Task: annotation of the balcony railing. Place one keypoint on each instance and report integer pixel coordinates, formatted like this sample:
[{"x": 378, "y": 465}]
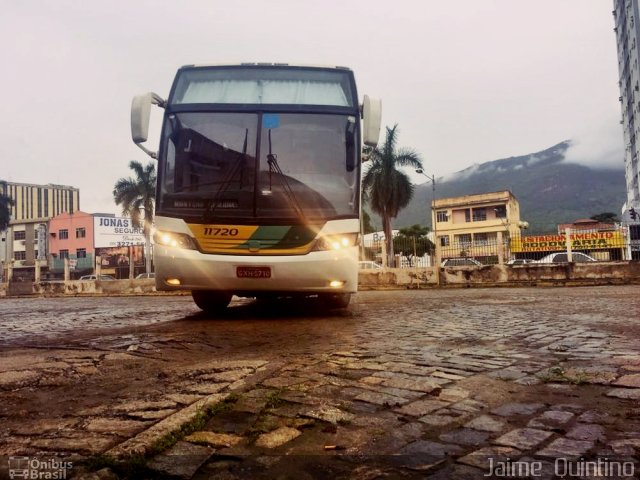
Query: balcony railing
[{"x": 84, "y": 263}]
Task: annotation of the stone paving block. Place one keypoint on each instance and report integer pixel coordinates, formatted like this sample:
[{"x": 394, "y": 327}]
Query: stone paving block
[
  {"x": 593, "y": 416},
  {"x": 481, "y": 458},
  {"x": 629, "y": 381},
  {"x": 523, "y": 438},
  {"x": 205, "y": 388},
  {"x": 430, "y": 449},
  {"x": 330, "y": 414},
  {"x": 510, "y": 409},
  {"x": 139, "y": 405},
  {"x": 550, "y": 419},
  {"x": 216, "y": 440},
  {"x": 507, "y": 374},
  {"x": 565, "y": 447},
  {"x": 446, "y": 376},
  {"x": 486, "y": 423},
  {"x": 626, "y": 393},
  {"x": 529, "y": 380},
  {"x": 84, "y": 444},
  {"x": 278, "y": 437},
  {"x": 419, "y": 385},
  {"x": 282, "y": 382},
  {"x": 422, "y": 407},
  {"x": 587, "y": 432},
  {"x": 18, "y": 379},
  {"x": 228, "y": 376},
  {"x": 183, "y": 398},
  {"x": 440, "y": 420},
  {"x": 465, "y": 436},
  {"x": 115, "y": 426},
  {"x": 469, "y": 405},
  {"x": 181, "y": 461},
  {"x": 151, "y": 414},
  {"x": 382, "y": 399},
  {"x": 453, "y": 394},
  {"x": 626, "y": 446}
]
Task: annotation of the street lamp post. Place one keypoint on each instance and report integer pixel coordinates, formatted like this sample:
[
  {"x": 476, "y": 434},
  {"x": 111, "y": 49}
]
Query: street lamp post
[{"x": 436, "y": 262}]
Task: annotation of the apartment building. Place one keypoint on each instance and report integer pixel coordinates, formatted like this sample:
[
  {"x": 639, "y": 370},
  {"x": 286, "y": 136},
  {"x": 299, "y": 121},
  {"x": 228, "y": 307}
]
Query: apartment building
[
  {"x": 476, "y": 225},
  {"x": 25, "y": 241},
  {"x": 627, "y": 30}
]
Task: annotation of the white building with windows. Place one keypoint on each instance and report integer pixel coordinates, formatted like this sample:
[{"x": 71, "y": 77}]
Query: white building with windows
[
  {"x": 25, "y": 241},
  {"x": 626, "y": 16}
]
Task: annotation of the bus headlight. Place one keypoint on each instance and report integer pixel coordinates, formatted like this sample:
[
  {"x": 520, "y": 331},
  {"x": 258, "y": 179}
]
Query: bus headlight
[
  {"x": 337, "y": 242},
  {"x": 176, "y": 240}
]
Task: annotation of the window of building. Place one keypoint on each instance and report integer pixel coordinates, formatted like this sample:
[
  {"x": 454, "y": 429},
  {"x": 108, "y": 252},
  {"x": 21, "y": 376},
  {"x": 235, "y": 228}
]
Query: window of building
[
  {"x": 63, "y": 234},
  {"x": 481, "y": 239},
  {"x": 64, "y": 254},
  {"x": 463, "y": 239},
  {"x": 81, "y": 253},
  {"x": 501, "y": 211},
  {"x": 442, "y": 216},
  {"x": 19, "y": 255},
  {"x": 444, "y": 241},
  {"x": 479, "y": 214},
  {"x": 467, "y": 215},
  {"x": 19, "y": 235},
  {"x": 81, "y": 232}
]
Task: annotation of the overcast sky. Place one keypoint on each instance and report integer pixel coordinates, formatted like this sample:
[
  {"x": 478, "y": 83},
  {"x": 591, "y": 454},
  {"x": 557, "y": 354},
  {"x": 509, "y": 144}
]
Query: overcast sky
[{"x": 467, "y": 81}]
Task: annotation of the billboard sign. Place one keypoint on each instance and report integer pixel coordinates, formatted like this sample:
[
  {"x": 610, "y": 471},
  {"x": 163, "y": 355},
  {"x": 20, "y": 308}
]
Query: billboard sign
[
  {"x": 116, "y": 232},
  {"x": 579, "y": 241}
]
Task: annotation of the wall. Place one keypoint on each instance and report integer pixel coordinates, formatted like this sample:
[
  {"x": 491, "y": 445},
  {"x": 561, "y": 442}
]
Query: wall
[{"x": 70, "y": 222}]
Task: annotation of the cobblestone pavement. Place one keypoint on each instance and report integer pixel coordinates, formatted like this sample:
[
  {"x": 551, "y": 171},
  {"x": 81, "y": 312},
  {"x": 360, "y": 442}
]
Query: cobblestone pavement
[{"x": 405, "y": 384}]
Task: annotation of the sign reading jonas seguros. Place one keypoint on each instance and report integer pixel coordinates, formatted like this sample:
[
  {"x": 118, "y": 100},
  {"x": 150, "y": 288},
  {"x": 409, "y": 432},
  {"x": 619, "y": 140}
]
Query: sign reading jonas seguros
[{"x": 116, "y": 232}]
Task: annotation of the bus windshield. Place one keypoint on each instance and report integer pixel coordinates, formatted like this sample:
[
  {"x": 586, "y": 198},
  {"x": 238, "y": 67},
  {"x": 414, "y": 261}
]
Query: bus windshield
[{"x": 260, "y": 165}]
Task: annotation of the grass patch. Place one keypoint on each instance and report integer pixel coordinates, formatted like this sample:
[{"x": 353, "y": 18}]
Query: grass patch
[
  {"x": 273, "y": 399},
  {"x": 558, "y": 374}
]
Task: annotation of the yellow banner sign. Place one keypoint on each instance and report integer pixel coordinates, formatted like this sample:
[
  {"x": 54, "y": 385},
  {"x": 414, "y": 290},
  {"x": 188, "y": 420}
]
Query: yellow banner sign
[{"x": 579, "y": 241}]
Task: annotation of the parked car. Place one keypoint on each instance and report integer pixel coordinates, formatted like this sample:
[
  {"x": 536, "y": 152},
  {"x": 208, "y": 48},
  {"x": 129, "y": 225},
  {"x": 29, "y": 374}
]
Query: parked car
[
  {"x": 369, "y": 265},
  {"x": 145, "y": 275},
  {"x": 562, "y": 258},
  {"x": 461, "y": 262},
  {"x": 102, "y": 278},
  {"x": 520, "y": 261}
]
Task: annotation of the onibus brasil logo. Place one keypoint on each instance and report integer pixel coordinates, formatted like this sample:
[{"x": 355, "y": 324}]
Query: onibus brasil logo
[{"x": 36, "y": 468}]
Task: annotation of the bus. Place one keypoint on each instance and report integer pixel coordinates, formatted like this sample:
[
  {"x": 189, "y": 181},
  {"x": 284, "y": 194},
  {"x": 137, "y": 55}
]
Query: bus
[{"x": 259, "y": 171}]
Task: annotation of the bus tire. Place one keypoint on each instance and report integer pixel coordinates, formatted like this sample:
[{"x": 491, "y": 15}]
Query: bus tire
[
  {"x": 336, "y": 300},
  {"x": 211, "y": 301}
]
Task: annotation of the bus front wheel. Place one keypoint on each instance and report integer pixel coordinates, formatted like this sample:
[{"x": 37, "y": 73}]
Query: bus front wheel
[{"x": 211, "y": 301}]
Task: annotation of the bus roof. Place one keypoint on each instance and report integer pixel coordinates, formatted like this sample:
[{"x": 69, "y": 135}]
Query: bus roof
[{"x": 266, "y": 64}]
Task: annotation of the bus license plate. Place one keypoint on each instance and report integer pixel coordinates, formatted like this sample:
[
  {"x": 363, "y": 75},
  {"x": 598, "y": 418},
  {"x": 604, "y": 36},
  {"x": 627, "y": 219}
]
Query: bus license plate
[{"x": 253, "y": 272}]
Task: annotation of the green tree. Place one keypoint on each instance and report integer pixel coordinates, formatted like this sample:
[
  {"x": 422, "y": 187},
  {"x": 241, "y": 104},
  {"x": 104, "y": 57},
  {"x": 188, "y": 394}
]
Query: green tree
[
  {"x": 387, "y": 188},
  {"x": 412, "y": 241},
  {"x": 137, "y": 198},
  {"x": 5, "y": 211},
  {"x": 606, "y": 217}
]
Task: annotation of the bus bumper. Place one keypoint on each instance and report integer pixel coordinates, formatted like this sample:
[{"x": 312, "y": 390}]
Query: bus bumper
[{"x": 315, "y": 272}]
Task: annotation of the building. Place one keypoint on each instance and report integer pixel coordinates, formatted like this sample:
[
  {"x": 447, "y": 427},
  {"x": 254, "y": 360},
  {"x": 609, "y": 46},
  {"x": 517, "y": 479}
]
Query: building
[
  {"x": 477, "y": 226},
  {"x": 25, "y": 241},
  {"x": 71, "y": 237},
  {"x": 627, "y": 31}
]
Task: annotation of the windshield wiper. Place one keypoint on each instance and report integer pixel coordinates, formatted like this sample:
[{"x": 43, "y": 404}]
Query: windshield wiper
[
  {"x": 272, "y": 161},
  {"x": 228, "y": 180}
]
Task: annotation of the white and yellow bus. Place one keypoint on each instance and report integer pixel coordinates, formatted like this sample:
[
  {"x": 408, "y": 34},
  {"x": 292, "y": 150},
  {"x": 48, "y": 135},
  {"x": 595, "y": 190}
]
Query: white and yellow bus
[{"x": 259, "y": 171}]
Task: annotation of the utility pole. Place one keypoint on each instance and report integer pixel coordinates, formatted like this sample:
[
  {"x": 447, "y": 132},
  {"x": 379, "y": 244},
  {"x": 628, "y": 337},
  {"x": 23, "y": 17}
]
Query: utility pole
[{"x": 434, "y": 220}]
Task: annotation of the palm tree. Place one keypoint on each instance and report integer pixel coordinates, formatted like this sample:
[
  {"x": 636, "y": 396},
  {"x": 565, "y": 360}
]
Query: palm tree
[
  {"x": 137, "y": 197},
  {"x": 388, "y": 189}
]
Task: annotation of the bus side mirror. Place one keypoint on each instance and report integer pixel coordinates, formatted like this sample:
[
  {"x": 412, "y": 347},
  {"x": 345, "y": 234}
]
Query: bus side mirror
[
  {"x": 372, "y": 118},
  {"x": 140, "y": 113}
]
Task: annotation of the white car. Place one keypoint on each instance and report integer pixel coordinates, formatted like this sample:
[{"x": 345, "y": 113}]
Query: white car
[
  {"x": 369, "y": 265},
  {"x": 94, "y": 277},
  {"x": 520, "y": 261},
  {"x": 561, "y": 257},
  {"x": 461, "y": 262},
  {"x": 145, "y": 275}
]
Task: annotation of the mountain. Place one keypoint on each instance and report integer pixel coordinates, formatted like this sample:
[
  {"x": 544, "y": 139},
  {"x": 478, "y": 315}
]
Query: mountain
[{"x": 549, "y": 189}]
